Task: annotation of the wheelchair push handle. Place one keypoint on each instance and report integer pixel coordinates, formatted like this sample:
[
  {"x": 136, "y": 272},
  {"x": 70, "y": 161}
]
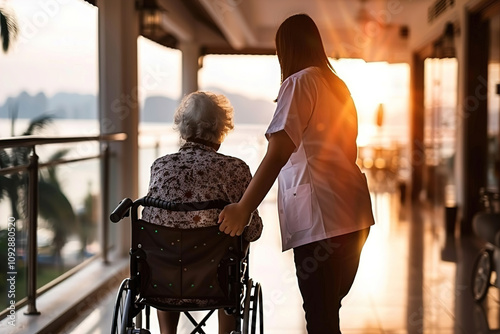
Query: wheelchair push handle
[
  {"x": 188, "y": 206},
  {"x": 121, "y": 211},
  {"x": 127, "y": 205}
]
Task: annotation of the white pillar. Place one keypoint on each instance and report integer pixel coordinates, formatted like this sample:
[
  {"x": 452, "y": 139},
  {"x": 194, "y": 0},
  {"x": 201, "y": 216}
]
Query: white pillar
[
  {"x": 190, "y": 55},
  {"x": 118, "y": 102}
]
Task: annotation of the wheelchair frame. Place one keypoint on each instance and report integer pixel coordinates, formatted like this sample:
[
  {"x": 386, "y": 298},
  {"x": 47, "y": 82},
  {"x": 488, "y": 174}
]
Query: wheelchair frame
[
  {"x": 486, "y": 224},
  {"x": 130, "y": 306}
]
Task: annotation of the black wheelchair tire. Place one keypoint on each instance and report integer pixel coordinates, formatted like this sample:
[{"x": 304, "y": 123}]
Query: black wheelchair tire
[
  {"x": 121, "y": 314},
  {"x": 258, "y": 312},
  {"x": 252, "y": 309},
  {"x": 481, "y": 275}
]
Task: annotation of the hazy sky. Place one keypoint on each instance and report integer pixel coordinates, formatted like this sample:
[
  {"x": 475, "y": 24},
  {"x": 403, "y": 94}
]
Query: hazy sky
[{"x": 57, "y": 50}]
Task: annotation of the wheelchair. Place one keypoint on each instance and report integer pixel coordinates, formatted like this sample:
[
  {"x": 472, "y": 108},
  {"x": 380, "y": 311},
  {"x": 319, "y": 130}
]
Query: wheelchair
[
  {"x": 486, "y": 225},
  {"x": 170, "y": 268}
]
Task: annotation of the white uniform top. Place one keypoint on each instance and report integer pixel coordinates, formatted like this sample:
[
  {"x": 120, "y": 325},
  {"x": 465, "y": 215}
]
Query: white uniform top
[{"x": 322, "y": 192}]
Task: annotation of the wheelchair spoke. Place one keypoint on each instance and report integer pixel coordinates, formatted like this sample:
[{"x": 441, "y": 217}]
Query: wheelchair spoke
[
  {"x": 118, "y": 311},
  {"x": 123, "y": 314},
  {"x": 253, "y": 309},
  {"x": 481, "y": 275}
]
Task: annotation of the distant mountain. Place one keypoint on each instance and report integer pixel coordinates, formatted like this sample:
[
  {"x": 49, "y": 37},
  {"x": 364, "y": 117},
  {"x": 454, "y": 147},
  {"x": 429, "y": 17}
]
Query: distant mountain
[
  {"x": 27, "y": 106},
  {"x": 246, "y": 110},
  {"x": 61, "y": 105},
  {"x": 155, "y": 109},
  {"x": 74, "y": 106},
  {"x": 158, "y": 109}
]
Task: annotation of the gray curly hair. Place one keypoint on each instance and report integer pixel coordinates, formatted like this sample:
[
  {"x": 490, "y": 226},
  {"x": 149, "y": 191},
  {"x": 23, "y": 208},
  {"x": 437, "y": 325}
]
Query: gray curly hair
[{"x": 204, "y": 115}]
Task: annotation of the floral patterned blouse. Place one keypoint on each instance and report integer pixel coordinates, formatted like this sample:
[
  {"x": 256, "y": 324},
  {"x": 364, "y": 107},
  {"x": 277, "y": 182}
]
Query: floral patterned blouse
[{"x": 194, "y": 174}]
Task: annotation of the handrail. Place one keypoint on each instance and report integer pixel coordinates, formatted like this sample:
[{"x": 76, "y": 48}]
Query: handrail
[
  {"x": 32, "y": 168},
  {"x": 23, "y": 168},
  {"x": 44, "y": 140}
]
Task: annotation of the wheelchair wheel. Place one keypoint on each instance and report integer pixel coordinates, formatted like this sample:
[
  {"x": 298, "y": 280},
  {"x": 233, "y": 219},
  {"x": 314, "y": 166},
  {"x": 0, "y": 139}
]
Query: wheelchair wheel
[
  {"x": 253, "y": 309},
  {"x": 481, "y": 275},
  {"x": 122, "y": 317}
]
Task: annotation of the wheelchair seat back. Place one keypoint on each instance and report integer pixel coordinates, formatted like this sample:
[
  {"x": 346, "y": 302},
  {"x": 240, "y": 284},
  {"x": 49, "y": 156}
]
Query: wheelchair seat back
[{"x": 186, "y": 264}]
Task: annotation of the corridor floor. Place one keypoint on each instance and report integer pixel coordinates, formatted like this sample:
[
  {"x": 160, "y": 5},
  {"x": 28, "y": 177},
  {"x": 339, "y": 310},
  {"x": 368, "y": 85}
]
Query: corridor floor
[{"x": 412, "y": 279}]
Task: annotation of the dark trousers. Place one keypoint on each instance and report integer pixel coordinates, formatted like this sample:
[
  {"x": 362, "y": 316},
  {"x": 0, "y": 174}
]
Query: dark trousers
[{"x": 325, "y": 271}]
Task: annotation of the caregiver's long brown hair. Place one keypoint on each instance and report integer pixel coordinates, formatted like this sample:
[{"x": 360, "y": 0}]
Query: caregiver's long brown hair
[{"x": 298, "y": 46}]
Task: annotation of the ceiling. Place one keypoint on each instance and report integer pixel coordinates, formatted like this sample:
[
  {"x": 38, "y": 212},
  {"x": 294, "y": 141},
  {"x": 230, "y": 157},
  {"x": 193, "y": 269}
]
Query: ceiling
[{"x": 375, "y": 30}]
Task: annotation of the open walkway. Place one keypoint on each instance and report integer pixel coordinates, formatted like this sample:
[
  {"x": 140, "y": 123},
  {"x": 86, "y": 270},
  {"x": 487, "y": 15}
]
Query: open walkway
[{"x": 412, "y": 279}]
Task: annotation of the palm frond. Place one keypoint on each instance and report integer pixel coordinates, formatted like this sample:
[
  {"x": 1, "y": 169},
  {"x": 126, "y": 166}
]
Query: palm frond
[
  {"x": 55, "y": 207},
  {"x": 37, "y": 124},
  {"x": 10, "y": 187},
  {"x": 20, "y": 156},
  {"x": 52, "y": 170},
  {"x": 8, "y": 29},
  {"x": 4, "y": 185},
  {"x": 4, "y": 32},
  {"x": 59, "y": 154},
  {"x": 5, "y": 160}
]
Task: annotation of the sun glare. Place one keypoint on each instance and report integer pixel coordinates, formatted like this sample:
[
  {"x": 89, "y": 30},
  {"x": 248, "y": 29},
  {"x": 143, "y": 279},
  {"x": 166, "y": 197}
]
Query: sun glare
[
  {"x": 367, "y": 83},
  {"x": 372, "y": 84}
]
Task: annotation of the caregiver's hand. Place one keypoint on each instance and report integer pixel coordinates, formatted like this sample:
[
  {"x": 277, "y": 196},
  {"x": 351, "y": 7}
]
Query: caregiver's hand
[{"x": 233, "y": 219}]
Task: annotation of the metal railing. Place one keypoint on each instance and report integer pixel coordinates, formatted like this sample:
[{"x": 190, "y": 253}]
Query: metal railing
[{"x": 32, "y": 168}]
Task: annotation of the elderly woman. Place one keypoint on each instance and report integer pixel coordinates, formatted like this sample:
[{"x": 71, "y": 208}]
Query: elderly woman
[{"x": 198, "y": 173}]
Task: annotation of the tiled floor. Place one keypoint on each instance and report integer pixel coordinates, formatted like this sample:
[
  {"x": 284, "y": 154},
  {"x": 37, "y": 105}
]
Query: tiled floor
[{"x": 412, "y": 279}]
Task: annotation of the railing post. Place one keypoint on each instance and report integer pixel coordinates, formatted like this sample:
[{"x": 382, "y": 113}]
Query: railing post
[
  {"x": 32, "y": 232},
  {"x": 104, "y": 202}
]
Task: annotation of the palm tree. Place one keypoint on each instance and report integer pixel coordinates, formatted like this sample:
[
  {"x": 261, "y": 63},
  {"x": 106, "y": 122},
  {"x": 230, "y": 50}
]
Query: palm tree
[
  {"x": 11, "y": 186},
  {"x": 86, "y": 219},
  {"x": 54, "y": 206},
  {"x": 8, "y": 28}
]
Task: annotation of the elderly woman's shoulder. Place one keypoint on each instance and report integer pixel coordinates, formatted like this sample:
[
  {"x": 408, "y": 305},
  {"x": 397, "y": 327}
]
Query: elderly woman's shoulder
[
  {"x": 167, "y": 158},
  {"x": 228, "y": 159}
]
